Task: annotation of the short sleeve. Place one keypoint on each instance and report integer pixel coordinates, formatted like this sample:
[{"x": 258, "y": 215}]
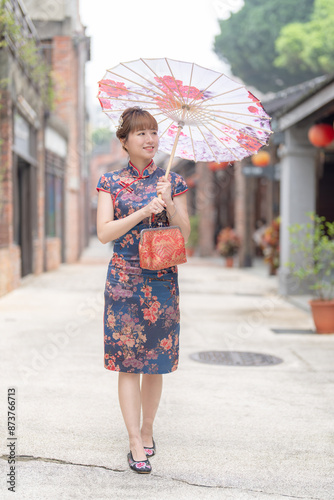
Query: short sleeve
[
  {"x": 103, "y": 184},
  {"x": 179, "y": 184}
]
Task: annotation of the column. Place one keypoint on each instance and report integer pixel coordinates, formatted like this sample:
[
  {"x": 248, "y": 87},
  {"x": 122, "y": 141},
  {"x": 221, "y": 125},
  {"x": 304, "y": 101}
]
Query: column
[
  {"x": 297, "y": 198},
  {"x": 244, "y": 214},
  {"x": 205, "y": 207}
]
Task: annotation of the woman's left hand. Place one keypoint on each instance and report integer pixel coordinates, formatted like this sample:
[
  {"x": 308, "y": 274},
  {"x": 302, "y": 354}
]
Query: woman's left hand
[{"x": 165, "y": 189}]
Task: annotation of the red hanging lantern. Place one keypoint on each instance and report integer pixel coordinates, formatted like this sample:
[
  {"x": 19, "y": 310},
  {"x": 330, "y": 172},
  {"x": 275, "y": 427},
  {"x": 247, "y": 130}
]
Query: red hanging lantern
[
  {"x": 218, "y": 166},
  {"x": 261, "y": 159},
  {"x": 321, "y": 135},
  {"x": 190, "y": 182}
]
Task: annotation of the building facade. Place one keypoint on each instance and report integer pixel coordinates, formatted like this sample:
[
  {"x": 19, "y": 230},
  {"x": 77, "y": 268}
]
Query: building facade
[
  {"x": 307, "y": 172},
  {"x": 44, "y": 198}
]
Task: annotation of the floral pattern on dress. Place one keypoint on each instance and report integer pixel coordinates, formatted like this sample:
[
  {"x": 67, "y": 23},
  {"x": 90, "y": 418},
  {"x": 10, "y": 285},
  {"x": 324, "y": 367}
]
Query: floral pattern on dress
[{"x": 141, "y": 314}]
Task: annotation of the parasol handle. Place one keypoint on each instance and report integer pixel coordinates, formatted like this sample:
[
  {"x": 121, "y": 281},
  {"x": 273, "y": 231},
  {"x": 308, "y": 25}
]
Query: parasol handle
[{"x": 171, "y": 158}]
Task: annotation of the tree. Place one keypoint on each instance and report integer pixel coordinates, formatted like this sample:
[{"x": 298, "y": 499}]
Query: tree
[
  {"x": 247, "y": 42},
  {"x": 310, "y": 45},
  {"x": 102, "y": 135}
]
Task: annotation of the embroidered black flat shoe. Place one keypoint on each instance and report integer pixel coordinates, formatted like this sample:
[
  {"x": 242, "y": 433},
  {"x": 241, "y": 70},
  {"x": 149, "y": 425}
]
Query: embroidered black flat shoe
[
  {"x": 150, "y": 451},
  {"x": 140, "y": 466}
]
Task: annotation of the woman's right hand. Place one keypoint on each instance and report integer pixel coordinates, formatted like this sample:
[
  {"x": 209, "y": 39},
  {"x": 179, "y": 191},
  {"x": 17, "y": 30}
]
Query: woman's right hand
[{"x": 155, "y": 206}]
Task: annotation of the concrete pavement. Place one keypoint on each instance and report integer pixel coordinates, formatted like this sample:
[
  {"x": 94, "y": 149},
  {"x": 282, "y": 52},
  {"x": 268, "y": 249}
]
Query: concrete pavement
[{"x": 222, "y": 432}]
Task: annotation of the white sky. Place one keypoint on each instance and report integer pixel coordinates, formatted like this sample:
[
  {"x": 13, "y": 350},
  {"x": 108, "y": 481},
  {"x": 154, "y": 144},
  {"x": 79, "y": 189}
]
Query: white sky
[{"x": 125, "y": 30}]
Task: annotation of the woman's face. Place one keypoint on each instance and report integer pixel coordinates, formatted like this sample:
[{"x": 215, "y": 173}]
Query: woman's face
[{"x": 142, "y": 144}]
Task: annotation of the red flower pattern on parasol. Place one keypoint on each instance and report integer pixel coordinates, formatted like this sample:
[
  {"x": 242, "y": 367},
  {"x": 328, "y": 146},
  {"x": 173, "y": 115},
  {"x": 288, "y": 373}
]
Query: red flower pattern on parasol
[{"x": 219, "y": 118}]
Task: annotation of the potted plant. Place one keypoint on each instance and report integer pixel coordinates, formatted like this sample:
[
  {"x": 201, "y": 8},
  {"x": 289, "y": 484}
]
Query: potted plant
[
  {"x": 313, "y": 244},
  {"x": 270, "y": 245},
  {"x": 228, "y": 243},
  {"x": 193, "y": 237}
]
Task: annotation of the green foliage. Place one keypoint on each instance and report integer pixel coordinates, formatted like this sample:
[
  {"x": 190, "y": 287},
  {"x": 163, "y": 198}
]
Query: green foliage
[
  {"x": 313, "y": 244},
  {"x": 7, "y": 24},
  {"x": 28, "y": 53},
  {"x": 194, "y": 234},
  {"x": 101, "y": 136},
  {"x": 309, "y": 46},
  {"x": 247, "y": 42}
]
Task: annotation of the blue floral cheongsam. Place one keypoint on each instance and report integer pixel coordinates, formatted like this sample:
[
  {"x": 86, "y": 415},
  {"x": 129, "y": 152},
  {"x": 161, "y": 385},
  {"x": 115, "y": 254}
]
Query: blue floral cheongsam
[{"x": 141, "y": 314}]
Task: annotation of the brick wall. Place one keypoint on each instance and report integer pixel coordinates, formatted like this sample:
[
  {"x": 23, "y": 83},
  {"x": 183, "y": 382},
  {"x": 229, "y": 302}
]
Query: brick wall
[
  {"x": 65, "y": 70},
  {"x": 10, "y": 268},
  {"x": 10, "y": 257},
  {"x": 6, "y": 181},
  {"x": 52, "y": 254}
]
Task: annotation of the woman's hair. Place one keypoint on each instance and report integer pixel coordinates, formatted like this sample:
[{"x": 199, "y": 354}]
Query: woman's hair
[{"x": 133, "y": 119}]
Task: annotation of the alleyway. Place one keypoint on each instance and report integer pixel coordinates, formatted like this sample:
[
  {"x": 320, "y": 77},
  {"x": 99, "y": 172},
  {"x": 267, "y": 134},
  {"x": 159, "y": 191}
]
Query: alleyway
[{"x": 222, "y": 432}]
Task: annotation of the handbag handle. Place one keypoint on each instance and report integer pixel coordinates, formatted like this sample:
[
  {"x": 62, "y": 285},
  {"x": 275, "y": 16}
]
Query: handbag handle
[{"x": 151, "y": 219}]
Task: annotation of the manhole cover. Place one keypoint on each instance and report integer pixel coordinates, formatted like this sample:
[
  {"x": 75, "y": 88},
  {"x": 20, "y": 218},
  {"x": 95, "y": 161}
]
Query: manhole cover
[{"x": 235, "y": 358}]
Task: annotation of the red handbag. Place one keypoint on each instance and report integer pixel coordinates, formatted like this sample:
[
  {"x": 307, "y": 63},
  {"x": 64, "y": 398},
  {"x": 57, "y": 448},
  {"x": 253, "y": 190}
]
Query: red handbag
[{"x": 161, "y": 247}]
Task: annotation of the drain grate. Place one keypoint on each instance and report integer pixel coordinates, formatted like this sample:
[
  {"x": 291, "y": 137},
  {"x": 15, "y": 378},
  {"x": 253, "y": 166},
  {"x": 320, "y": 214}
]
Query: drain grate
[
  {"x": 291, "y": 330},
  {"x": 235, "y": 358}
]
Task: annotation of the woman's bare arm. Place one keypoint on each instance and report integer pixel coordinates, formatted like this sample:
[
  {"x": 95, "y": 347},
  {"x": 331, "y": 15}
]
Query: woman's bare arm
[
  {"x": 109, "y": 229},
  {"x": 181, "y": 218}
]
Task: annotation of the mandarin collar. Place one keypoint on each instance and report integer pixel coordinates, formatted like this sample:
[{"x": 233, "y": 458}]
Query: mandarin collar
[{"x": 148, "y": 170}]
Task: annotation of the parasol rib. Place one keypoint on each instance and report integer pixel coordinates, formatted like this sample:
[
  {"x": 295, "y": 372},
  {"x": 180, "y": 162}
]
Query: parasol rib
[
  {"x": 192, "y": 142},
  {"x": 215, "y": 157},
  {"x": 242, "y": 114},
  {"x": 212, "y": 113},
  {"x": 136, "y": 83},
  {"x": 222, "y": 142},
  {"x": 191, "y": 77},
  {"x": 157, "y": 114},
  {"x": 178, "y": 88},
  {"x": 123, "y": 109},
  {"x": 120, "y": 88},
  {"x": 166, "y": 130},
  {"x": 223, "y": 93},
  {"x": 232, "y": 103},
  {"x": 160, "y": 79},
  {"x": 241, "y": 123},
  {"x": 232, "y": 128},
  {"x": 128, "y": 100},
  {"x": 210, "y": 116},
  {"x": 202, "y": 91},
  {"x": 144, "y": 78},
  {"x": 228, "y": 103},
  {"x": 161, "y": 121}
]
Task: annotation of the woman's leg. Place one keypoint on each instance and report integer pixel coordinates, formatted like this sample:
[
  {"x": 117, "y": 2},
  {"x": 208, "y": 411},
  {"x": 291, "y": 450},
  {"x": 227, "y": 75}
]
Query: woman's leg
[
  {"x": 151, "y": 388},
  {"x": 130, "y": 402}
]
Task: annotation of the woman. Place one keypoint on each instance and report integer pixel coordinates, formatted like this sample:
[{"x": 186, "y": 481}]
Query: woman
[{"x": 141, "y": 317}]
